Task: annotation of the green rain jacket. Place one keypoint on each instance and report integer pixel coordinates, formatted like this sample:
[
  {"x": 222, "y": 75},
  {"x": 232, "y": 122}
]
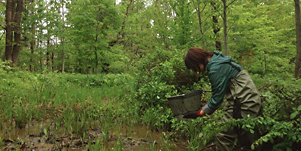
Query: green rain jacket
[{"x": 220, "y": 71}]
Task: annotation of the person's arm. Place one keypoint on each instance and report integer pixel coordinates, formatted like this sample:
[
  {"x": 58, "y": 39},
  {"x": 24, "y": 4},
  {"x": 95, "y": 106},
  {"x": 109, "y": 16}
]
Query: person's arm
[{"x": 219, "y": 83}]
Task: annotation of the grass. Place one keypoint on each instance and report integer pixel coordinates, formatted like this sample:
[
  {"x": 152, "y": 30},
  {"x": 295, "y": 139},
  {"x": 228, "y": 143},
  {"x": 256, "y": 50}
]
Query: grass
[
  {"x": 75, "y": 103},
  {"x": 72, "y": 104}
]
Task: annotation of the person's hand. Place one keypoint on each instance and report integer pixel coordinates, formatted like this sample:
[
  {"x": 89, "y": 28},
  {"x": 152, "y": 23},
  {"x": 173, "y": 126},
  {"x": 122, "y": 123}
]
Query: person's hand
[{"x": 195, "y": 114}]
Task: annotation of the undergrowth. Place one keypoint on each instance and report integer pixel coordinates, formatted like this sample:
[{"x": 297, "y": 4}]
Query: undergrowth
[
  {"x": 163, "y": 73},
  {"x": 73, "y": 101}
]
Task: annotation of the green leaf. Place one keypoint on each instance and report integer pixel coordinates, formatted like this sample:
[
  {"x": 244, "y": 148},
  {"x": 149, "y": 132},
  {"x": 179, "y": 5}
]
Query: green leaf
[
  {"x": 265, "y": 140},
  {"x": 289, "y": 149},
  {"x": 294, "y": 138},
  {"x": 251, "y": 131},
  {"x": 299, "y": 108},
  {"x": 293, "y": 115},
  {"x": 271, "y": 139}
]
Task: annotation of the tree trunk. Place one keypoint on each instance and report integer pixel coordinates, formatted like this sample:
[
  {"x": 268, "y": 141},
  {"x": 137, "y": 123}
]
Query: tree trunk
[
  {"x": 96, "y": 55},
  {"x": 63, "y": 55},
  {"x": 32, "y": 47},
  {"x": 225, "y": 27},
  {"x": 216, "y": 29},
  {"x": 63, "y": 38},
  {"x": 32, "y": 43},
  {"x": 124, "y": 21},
  {"x": 48, "y": 54},
  {"x": 31, "y": 67},
  {"x": 17, "y": 32},
  {"x": 201, "y": 24},
  {"x": 298, "y": 40},
  {"x": 13, "y": 30},
  {"x": 9, "y": 29},
  {"x": 41, "y": 53}
]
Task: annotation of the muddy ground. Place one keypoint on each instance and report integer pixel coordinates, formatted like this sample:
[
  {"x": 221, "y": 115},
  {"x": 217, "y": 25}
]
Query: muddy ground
[{"x": 43, "y": 136}]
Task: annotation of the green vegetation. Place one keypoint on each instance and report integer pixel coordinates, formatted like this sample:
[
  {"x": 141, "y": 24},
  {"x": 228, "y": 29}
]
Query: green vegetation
[
  {"x": 78, "y": 102},
  {"x": 93, "y": 69}
]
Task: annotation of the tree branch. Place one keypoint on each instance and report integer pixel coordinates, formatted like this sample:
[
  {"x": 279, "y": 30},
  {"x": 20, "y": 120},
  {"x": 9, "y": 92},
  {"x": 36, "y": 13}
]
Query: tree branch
[
  {"x": 204, "y": 7},
  {"x": 230, "y": 3}
]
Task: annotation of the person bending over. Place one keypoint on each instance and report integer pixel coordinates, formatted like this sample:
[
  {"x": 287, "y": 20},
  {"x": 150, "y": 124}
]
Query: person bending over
[{"x": 230, "y": 81}]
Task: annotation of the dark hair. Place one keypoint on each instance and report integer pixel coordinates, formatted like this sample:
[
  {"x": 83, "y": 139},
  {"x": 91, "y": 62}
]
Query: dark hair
[{"x": 195, "y": 57}]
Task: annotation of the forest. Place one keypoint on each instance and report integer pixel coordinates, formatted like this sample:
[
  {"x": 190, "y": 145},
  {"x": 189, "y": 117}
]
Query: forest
[{"x": 96, "y": 74}]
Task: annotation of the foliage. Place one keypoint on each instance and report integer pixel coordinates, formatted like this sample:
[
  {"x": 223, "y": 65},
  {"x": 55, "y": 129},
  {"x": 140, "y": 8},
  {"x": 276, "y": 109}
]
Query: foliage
[
  {"x": 160, "y": 76},
  {"x": 259, "y": 38},
  {"x": 281, "y": 101},
  {"x": 280, "y": 123},
  {"x": 92, "y": 23},
  {"x": 122, "y": 64},
  {"x": 91, "y": 36},
  {"x": 69, "y": 99}
]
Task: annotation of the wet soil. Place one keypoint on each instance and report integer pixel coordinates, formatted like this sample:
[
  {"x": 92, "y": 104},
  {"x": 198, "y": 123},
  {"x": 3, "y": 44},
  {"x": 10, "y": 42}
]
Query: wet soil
[{"x": 43, "y": 136}]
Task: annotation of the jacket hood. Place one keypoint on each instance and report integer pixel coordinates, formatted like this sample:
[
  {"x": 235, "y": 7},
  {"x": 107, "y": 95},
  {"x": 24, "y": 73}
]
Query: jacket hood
[{"x": 218, "y": 58}]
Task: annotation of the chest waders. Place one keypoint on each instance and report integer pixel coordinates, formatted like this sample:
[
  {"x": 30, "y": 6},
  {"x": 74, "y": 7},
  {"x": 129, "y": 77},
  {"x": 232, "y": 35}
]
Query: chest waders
[
  {"x": 237, "y": 105},
  {"x": 243, "y": 100}
]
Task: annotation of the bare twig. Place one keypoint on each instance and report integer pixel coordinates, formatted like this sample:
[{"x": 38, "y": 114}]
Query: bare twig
[{"x": 231, "y": 3}]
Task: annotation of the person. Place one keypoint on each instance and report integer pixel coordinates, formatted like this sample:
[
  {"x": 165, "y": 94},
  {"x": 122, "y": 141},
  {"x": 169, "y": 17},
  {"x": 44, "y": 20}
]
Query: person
[{"x": 230, "y": 81}]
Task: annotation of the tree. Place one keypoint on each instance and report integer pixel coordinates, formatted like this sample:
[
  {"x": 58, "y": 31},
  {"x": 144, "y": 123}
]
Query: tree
[
  {"x": 14, "y": 11},
  {"x": 216, "y": 28},
  {"x": 183, "y": 22},
  {"x": 162, "y": 19},
  {"x": 9, "y": 29},
  {"x": 125, "y": 19},
  {"x": 199, "y": 11},
  {"x": 225, "y": 6},
  {"x": 29, "y": 21},
  {"x": 298, "y": 39},
  {"x": 262, "y": 40},
  {"x": 91, "y": 26},
  {"x": 2, "y": 29}
]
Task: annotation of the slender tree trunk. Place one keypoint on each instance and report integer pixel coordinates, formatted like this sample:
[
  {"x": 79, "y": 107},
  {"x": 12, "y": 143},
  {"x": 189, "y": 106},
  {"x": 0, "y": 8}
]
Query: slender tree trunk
[
  {"x": 201, "y": 24},
  {"x": 225, "y": 27},
  {"x": 124, "y": 21},
  {"x": 96, "y": 55},
  {"x": 265, "y": 62},
  {"x": 63, "y": 38},
  {"x": 63, "y": 54},
  {"x": 216, "y": 29},
  {"x": 9, "y": 29},
  {"x": 52, "y": 61},
  {"x": 298, "y": 39},
  {"x": 17, "y": 32},
  {"x": 41, "y": 53},
  {"x": 88, "y": 68},
  {"x": 47, "y": 53},
  {"x": 32, "y": 43}
]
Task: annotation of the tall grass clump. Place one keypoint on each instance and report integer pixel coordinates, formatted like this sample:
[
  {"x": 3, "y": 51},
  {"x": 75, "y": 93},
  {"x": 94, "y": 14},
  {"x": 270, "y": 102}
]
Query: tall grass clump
[{"x": 72, "y": 101}]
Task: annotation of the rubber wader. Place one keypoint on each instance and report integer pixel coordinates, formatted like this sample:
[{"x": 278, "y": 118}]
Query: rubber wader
[{"x": 243, "y": 100}]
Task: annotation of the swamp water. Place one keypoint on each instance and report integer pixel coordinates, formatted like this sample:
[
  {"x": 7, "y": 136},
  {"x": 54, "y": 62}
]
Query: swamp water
[{"x": 44, "y": 136}]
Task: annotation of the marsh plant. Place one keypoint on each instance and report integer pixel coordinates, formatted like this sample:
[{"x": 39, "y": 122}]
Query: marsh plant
[{"x": 76, "y": 103}]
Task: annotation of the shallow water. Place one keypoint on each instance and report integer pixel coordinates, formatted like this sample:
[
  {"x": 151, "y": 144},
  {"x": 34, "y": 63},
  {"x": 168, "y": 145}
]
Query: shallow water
[{"x": 44, "y": 136}]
